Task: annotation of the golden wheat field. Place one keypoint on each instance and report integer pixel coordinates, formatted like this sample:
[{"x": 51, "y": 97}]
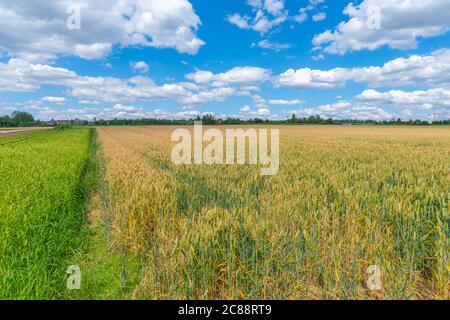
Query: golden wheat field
[{"x": 345, "y": 198}]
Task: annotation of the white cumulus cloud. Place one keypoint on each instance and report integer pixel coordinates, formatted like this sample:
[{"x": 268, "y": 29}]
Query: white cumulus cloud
[
  {"x": 38, "y": 31},
  {"x": 420, "y": 98},
  {"x": 55, "y": 100},
  {"x": 267, "y": 15},
  {"x": 286, "y": 102},
  {"x": 275, "y": 46},
  {"x": 429, "y": 70},
  {"x": 236, "y": 76},
  {"x": 344, "y": 110},
  {"x": 140, "y": 66},
  {"x": 394, "y": 23}
]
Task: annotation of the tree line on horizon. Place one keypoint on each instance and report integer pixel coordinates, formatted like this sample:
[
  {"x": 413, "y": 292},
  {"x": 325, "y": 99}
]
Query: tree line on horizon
[
  {"x": 24, "y": 119},
  {"x": 209, "y": 119},
  {"x": 19, "y": 119}
]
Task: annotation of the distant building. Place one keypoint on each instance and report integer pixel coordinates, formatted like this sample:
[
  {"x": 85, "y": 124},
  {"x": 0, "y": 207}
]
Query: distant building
[
  {"x": 76, "y": 122},
  {"x": 63, "y": 122}
]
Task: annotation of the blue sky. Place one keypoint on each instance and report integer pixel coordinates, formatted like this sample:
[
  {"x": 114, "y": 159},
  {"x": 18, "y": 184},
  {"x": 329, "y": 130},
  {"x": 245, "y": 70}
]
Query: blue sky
[{"x": 368, "y": 59}]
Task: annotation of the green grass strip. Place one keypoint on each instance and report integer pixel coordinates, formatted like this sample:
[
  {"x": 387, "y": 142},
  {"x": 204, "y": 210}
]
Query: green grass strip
[{"x": 43, "y": 191}]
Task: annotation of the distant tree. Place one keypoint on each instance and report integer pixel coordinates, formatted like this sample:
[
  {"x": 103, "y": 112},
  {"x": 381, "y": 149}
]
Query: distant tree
[
  {"x": 294, "y": 118},
  {"x": 208, "y": 119},
  {"x": 22, "y": 118},
  {"x": 4, "y": 121}
]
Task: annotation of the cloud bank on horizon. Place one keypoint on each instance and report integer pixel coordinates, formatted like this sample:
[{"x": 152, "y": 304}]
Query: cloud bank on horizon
[{"x": 369, "y": 59}]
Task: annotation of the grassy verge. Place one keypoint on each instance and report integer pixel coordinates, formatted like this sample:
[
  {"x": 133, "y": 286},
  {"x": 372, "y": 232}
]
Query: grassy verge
[
  {"x": 107, "y": 273},
  {"x": 45, "y": 181}
]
